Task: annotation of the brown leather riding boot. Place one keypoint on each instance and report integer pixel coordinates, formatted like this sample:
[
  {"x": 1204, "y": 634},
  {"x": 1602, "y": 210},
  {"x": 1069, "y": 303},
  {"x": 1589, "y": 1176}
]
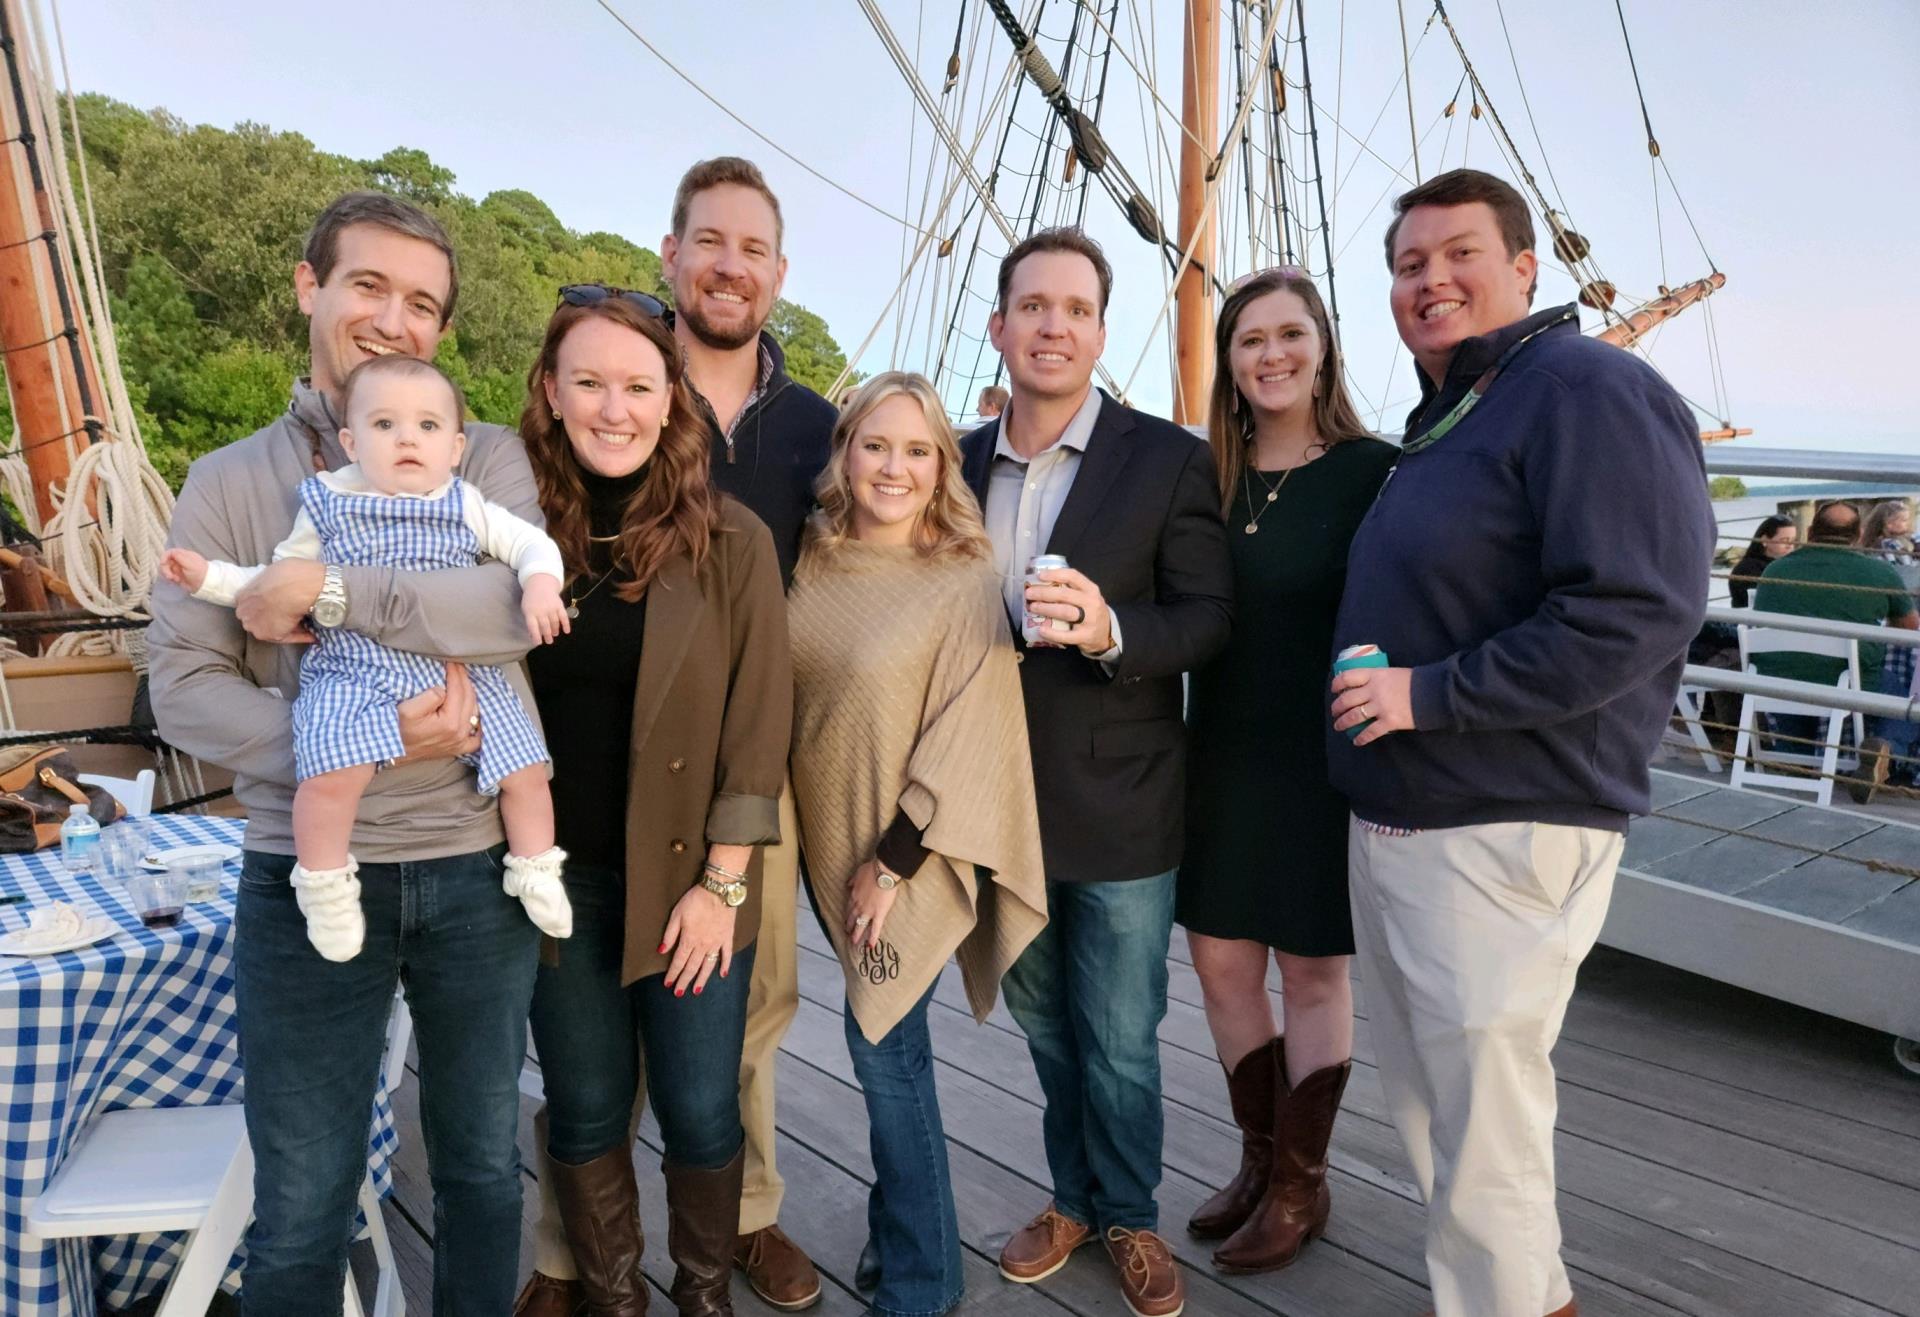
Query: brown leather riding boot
[
  {"x": 703, "y": 1221},
  {"x": 600, "y": 1207},
  {"x": 1250, "y": 1089},
  {"x": 1295, "y": 1208}
]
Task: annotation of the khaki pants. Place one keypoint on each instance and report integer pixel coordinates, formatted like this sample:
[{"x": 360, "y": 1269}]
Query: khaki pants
[
  {"x": 1468, "y": 941},
  {"x": 772, "y": 999}
]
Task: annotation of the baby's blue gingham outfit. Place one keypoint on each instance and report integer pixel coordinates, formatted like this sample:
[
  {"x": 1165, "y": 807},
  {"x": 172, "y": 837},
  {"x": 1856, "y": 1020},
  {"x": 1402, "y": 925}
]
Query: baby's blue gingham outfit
[{"x": 350, "y": 687}]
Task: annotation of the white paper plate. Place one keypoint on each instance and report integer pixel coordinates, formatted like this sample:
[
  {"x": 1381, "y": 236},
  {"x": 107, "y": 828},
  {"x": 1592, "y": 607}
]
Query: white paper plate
[
  {"x": 159, "y": 860},
  {"x": 94, "y": 930}
]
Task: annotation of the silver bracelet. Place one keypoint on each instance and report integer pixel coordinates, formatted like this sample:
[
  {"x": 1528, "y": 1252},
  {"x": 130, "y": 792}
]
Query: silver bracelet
[{"x": 727, "y": 874}]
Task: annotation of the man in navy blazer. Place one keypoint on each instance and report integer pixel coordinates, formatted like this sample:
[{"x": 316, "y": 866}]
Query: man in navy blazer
[{"x": 1130, "y": 501}]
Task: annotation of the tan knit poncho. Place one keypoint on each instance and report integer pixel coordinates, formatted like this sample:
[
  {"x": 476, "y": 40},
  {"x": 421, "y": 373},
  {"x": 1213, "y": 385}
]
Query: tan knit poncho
[{"x": 906, "y": 696}]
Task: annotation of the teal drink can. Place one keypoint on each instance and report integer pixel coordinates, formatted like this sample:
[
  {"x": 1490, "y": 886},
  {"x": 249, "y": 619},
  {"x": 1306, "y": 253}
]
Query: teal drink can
[{"x": 1359, "y": 656}]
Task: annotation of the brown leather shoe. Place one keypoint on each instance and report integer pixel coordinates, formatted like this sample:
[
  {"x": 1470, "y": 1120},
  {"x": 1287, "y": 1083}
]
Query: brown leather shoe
[
  {"x": 1250, "y": 1089},
  {"x": 545, "y": 1296},
  {"x": 1042, "y": 1246},
  {"x": 1296, "y": 1205},
  {"x": 600, "y": 1208},
  {"x": 1149, "y": 1277},
  {"x": 778, "y": 1270},
  {"x": 703, "y": 1218}
]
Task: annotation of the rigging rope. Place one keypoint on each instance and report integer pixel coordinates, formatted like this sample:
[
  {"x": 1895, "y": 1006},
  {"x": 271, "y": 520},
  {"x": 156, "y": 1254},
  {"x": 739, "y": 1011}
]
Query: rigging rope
[{"x": 720, "y": 106}]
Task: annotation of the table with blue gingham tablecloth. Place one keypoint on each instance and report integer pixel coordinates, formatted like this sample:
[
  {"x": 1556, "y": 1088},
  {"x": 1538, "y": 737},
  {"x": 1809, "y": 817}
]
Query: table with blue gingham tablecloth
[{"x": 142, "y": 1019}]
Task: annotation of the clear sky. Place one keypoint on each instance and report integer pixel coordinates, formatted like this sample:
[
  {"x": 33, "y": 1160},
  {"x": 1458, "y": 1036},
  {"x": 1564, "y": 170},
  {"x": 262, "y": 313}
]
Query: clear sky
[{"x": 1790, "y": 129}]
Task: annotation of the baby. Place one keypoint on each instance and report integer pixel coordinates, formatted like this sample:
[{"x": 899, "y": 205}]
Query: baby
[{"x": 400, "y": 505}]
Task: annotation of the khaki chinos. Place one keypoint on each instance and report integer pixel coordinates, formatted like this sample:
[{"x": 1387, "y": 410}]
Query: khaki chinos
[{"x": 1468, "y": 940}]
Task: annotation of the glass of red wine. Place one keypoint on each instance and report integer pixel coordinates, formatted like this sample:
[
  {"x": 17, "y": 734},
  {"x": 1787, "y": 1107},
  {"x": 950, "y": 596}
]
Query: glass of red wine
[{"x": 158, "y": 897}]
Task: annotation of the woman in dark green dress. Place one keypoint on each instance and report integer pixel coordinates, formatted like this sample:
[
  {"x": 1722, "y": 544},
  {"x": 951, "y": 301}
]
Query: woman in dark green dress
[{"x": 1265, "y": 869}]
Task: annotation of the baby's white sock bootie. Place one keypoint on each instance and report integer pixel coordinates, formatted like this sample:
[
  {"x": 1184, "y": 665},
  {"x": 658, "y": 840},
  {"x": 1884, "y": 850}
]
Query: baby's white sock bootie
[
  {"x": 330, "y": 899},
  {"x": 535, "y": 879}
]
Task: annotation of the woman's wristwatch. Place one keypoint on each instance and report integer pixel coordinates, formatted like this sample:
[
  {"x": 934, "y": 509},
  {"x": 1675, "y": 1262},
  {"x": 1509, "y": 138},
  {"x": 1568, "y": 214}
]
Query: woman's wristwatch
[
  {"x": 729, "y": 886},
  {"x": 884, "y": 880}
]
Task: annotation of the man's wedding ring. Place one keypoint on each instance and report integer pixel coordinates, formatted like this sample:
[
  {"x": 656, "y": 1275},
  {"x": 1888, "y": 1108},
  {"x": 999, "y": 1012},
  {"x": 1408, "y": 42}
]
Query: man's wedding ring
[
  {"x": 1366, "y": 711},
  {"x": 1083, "y": 615}
]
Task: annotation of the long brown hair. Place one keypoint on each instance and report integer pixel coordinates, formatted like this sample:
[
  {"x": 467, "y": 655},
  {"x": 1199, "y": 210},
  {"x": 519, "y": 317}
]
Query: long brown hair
[
  {"x": 950, "y": 526},
  {"x": 675, "y": 509},
  {"x": 1230, "y": 419}
]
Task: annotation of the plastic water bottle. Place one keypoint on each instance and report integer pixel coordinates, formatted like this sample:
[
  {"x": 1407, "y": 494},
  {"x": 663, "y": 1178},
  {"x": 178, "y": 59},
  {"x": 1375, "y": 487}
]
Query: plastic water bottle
[{"x": 79, "y": 840}]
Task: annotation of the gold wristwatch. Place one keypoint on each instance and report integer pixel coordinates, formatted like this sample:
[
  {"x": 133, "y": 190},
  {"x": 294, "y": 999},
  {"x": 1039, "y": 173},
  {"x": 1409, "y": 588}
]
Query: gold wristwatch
[{"x": 733, "y": 893}]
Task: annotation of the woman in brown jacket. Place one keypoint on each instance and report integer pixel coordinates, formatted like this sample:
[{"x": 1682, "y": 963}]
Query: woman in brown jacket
[{"x": 668, "y": 709}]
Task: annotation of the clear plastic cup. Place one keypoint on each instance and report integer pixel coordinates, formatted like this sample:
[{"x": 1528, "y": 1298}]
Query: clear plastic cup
[
  {"x": 158, "y": 897},
  {"x": 201, "y": 874},
  {"x": 120, "y": 853}
]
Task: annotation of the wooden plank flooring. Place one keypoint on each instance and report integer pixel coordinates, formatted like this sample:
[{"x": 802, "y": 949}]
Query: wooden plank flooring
[{"x": 1720, "y": 1155}]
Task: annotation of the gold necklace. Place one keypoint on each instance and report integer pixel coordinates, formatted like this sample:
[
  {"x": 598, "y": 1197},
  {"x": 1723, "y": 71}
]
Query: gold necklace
[
  {"x": 1273, "y": 490},
  {"x": 573, "y": 600},
  {"x": 1273, "y": 493}
]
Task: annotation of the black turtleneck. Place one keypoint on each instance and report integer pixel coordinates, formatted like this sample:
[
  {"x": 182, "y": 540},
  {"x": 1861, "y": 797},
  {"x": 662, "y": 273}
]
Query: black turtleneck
[{"x": 584, "y": 685}]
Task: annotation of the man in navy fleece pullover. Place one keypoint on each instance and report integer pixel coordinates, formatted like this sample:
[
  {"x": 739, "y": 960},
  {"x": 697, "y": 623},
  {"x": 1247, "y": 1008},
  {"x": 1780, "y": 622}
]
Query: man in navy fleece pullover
[{"x": 1534, "y": 569}]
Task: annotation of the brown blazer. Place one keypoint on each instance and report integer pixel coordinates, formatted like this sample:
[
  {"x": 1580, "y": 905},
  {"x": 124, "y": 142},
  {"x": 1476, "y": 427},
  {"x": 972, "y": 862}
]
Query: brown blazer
[{"x": 712, "y": 717}]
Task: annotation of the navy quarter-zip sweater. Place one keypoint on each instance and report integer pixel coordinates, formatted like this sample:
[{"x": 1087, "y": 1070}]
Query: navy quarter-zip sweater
[{"x": 1541, "y": 569}]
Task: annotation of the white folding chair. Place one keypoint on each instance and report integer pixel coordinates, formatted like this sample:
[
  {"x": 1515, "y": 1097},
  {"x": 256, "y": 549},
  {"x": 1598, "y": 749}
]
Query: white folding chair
[
  {"x": 135, "y": 793},
  {"x": 1690, "y": 703},
  {"x": 1749, "y": 750},
  {"x": 191, "y": 1168}
]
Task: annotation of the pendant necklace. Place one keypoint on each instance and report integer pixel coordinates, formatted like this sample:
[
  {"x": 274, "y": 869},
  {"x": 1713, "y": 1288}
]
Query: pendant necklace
[{"x": 1273, "y": 490}]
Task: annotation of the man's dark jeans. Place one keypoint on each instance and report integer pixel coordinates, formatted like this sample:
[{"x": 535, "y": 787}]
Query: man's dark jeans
[
  {"x": 311, "y": 1035},
  {"x": 589, "y": 1031},
  {"x": 1090, "y": 993}
]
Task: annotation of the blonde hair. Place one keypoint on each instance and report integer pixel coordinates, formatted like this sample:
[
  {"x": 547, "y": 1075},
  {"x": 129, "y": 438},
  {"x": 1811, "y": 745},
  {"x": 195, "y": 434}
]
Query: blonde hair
[{"x": 949, "y": 526}]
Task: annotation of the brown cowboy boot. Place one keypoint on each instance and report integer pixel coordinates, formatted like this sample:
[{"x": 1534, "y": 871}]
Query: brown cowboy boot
[
  {"x": 1250, "y": 1090},
  {"x": 600, "y": 1208},
  {"x": 1296, "y": 1205},
  {"x": 703, "y": 1218},
  {"x": 547, "y": 1296}
]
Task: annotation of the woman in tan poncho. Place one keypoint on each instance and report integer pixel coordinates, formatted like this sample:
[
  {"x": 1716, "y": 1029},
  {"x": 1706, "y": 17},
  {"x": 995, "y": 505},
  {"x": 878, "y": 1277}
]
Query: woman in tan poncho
[{"x": 915, "y": 792}]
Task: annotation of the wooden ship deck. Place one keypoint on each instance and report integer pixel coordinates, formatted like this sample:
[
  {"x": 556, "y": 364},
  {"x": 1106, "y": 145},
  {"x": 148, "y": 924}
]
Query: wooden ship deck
[{"x": 1720, "y": 1154}]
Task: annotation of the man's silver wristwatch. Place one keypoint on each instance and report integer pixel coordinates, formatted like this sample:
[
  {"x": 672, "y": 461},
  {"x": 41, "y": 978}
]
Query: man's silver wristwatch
[{"x": 330, "y": 606}]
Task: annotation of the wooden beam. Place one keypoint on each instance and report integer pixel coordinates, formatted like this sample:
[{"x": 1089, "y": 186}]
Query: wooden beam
[{"x": 1193, "y": 301}]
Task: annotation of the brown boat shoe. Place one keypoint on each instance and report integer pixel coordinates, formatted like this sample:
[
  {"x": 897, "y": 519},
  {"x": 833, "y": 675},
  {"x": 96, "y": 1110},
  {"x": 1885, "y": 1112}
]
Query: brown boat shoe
[
  {"x": 1149, "y": 1277},
  {"x": 544, "y": 1296},
  {"x": 778, "y": 1270},
  {"x": 1042, "y": 1246}
]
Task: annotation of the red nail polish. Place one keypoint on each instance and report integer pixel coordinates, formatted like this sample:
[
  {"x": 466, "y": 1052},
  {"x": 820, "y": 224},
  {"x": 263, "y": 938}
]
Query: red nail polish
[
  {"x": 662, "y": 951},
  {"x": 702, "y": 988},
  {"x": 679, "y": 992}
]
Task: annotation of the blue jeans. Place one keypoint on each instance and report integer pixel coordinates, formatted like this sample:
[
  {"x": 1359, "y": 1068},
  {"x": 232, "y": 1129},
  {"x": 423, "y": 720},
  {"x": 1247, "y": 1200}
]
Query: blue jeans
[
  {"x": 1090, "y": 993},
  {"x": 1903, "y": 736},
  {"x": 311, "y": 1034},
  {"x": 910, "y": 1214},
  {"x": 589, "y": 1030}
]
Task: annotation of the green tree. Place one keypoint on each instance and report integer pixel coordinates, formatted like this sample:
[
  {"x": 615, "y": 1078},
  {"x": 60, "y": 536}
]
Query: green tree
[
  {"x": 1726, "y": 487},
  {"x": 201, "y": 227}
]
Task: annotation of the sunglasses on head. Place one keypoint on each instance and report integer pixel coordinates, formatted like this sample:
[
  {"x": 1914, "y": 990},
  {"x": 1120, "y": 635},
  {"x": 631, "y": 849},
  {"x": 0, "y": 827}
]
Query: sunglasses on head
[
  {"x": 1284, "y": 271},
  {"x": 594, "y": 294}
]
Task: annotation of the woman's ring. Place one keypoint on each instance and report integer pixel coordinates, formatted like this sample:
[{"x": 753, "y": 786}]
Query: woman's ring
[
  {"x": 473, "y": 723},
  {"x": 713, "y": 955},
  {"x": 861, "y": 921}
]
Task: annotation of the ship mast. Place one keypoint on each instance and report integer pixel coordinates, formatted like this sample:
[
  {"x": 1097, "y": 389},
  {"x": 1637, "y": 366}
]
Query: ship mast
[
  {"x": 1633, "y": 327},
  {"x": 1193, "y": 302},
  {"x": 51, "y": 376}
]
